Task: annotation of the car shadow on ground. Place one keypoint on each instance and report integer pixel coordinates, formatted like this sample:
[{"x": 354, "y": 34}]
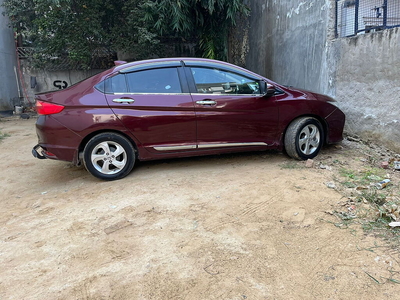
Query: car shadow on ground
[
  {"x": 268, "y": 156},
  {"x": 64, "y": 171},
  {"x": 209, "y": 161}
]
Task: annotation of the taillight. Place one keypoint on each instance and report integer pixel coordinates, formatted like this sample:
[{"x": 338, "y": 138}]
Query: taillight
[{"x": 46, "y": 108}]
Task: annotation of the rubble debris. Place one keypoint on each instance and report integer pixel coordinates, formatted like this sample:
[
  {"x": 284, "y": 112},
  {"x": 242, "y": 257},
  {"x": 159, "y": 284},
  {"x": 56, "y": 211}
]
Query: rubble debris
[
  {"x": 392, "y": 210},
  {"x": 385, "y": 165},
  {"x": 325, "y": 167},
  {"x": 309, "y": 163},
  {"x": 353, "y": 139},
  {"x": 374, "y": 177},
  {"x": 361, "y": 188},
  {"x": 331, "y": 185},
  {"x": 382, "y": 184}
]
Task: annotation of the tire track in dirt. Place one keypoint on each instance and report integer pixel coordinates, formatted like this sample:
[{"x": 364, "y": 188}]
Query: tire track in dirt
[{"x": 244, "y": 214}]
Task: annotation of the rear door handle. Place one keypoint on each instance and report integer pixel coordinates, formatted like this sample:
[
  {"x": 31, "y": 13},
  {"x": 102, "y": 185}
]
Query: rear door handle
[
  {"x": 121, "y": 100},
  {"x": 206, "y": 102}
]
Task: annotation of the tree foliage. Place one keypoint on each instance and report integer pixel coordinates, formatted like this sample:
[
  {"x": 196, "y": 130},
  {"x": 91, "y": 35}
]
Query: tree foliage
[
  {"x": 207, "y": 20},
  {"x": 76, "y": 28}
]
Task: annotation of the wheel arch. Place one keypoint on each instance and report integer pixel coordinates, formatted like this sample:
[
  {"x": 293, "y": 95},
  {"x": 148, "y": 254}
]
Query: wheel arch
[
  {"x": 87, "y": 138},
  {"x": 322, "y": 121}
]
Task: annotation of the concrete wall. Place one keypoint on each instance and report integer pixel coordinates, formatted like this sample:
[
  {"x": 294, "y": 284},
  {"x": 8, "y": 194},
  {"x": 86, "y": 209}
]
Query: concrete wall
[
  {"x": 293, "y": 43},
  {"x": 8, "y": 82},
  {"x": 50, "y": 80},
  {"x": 288, "y": 42},
  {"x": 368, "y": 85}
]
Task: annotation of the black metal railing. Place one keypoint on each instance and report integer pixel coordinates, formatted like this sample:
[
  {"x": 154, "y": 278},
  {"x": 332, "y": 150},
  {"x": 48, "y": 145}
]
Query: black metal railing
[
  {"x": 25, "y": 52},
  {"x": 361, "y": 16}
]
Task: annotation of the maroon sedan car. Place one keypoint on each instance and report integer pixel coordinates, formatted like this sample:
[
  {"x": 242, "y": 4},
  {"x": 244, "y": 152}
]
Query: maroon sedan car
[{"x": 178, "y": 107}]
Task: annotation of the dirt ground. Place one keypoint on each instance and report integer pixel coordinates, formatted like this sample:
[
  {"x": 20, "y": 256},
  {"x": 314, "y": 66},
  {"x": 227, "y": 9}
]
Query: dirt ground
[{"x": 237, "y": 226}]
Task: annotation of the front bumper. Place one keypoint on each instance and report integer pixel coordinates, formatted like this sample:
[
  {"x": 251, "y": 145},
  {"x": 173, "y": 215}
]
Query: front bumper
[{"x": 335, "y": 123}]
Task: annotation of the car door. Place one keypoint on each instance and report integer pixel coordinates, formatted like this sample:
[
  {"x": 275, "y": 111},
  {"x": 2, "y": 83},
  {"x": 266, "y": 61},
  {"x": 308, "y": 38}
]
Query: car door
[
  {"x": 230, "y": 110},
  {"x": 155, "y": 106}
]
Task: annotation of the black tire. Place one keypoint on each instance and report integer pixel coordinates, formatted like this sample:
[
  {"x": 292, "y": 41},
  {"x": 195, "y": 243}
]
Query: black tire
[
  {"x": 109, "y": 156},
  {"x": 304, "y": 138}
]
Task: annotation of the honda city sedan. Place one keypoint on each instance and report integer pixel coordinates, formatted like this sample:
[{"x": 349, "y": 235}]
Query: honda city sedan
[{"x": 179, "y": 107}]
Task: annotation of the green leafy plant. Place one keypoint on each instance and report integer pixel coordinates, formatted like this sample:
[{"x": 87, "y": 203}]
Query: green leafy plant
[
  {"x": 208, "y": 21},
  {"x": 143, "y": 28},
  {"x": 347, "y": 173}
]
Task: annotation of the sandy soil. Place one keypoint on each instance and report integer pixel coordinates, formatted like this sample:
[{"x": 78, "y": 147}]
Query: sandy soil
[{"x": 242, "y": 226}]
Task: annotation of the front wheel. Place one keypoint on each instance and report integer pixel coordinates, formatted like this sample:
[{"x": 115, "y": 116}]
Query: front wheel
[
  {"x": 109, "y": 156},
  {"x": 304, "y": 138}
]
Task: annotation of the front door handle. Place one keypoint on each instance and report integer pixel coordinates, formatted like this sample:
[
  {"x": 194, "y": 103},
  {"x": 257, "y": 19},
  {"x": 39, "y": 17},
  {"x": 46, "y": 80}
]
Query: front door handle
[
  {"x": 206, "y": 102},
  {"x": 122, "y": 100}
]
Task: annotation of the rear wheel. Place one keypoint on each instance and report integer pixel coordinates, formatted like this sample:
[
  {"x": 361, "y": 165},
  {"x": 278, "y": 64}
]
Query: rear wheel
[
  {"x": 109, "y": 156},
  {"x": 304, "y": 138}
]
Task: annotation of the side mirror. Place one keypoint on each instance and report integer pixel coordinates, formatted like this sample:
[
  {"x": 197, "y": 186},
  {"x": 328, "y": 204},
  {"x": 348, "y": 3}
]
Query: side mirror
[{"x": 267, "y": 89}]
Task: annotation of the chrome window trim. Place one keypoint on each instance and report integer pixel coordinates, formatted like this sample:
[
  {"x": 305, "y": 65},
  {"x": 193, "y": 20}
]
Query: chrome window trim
[
  {"x": 227, "y": 95},
  {"x": 188, "y": 94},
  {"x": 221, "y": 66},
  {"x": 175, "y": 94},
  {"x": 151, "y": 65}
]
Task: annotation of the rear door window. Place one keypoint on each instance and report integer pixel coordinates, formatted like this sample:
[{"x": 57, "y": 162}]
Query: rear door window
[
  {"x": 116, "y": 84},
  {"x": 154, "y": 81}
]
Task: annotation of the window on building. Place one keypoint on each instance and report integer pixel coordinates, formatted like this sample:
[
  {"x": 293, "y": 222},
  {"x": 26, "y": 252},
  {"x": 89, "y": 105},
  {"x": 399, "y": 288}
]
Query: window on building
[{"x": 355, "y": 17}]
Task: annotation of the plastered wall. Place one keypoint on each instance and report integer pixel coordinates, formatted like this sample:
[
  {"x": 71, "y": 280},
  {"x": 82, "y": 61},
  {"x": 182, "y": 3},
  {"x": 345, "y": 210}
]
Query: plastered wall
[
  {"x": 39, "y": 81},
  {"x": 368, "y": 85},
  {"x": 288, "y": 41}
]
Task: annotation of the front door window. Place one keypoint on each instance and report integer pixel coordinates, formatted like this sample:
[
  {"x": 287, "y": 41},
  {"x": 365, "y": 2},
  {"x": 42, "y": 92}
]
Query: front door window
[{"x": 215, "y": 81}]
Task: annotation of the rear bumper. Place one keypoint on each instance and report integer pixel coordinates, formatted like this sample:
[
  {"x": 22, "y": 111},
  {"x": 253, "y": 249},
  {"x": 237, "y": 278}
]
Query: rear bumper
[
  {"x": 55, "y": 141},
  {"x": 56, "y": 153}
]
